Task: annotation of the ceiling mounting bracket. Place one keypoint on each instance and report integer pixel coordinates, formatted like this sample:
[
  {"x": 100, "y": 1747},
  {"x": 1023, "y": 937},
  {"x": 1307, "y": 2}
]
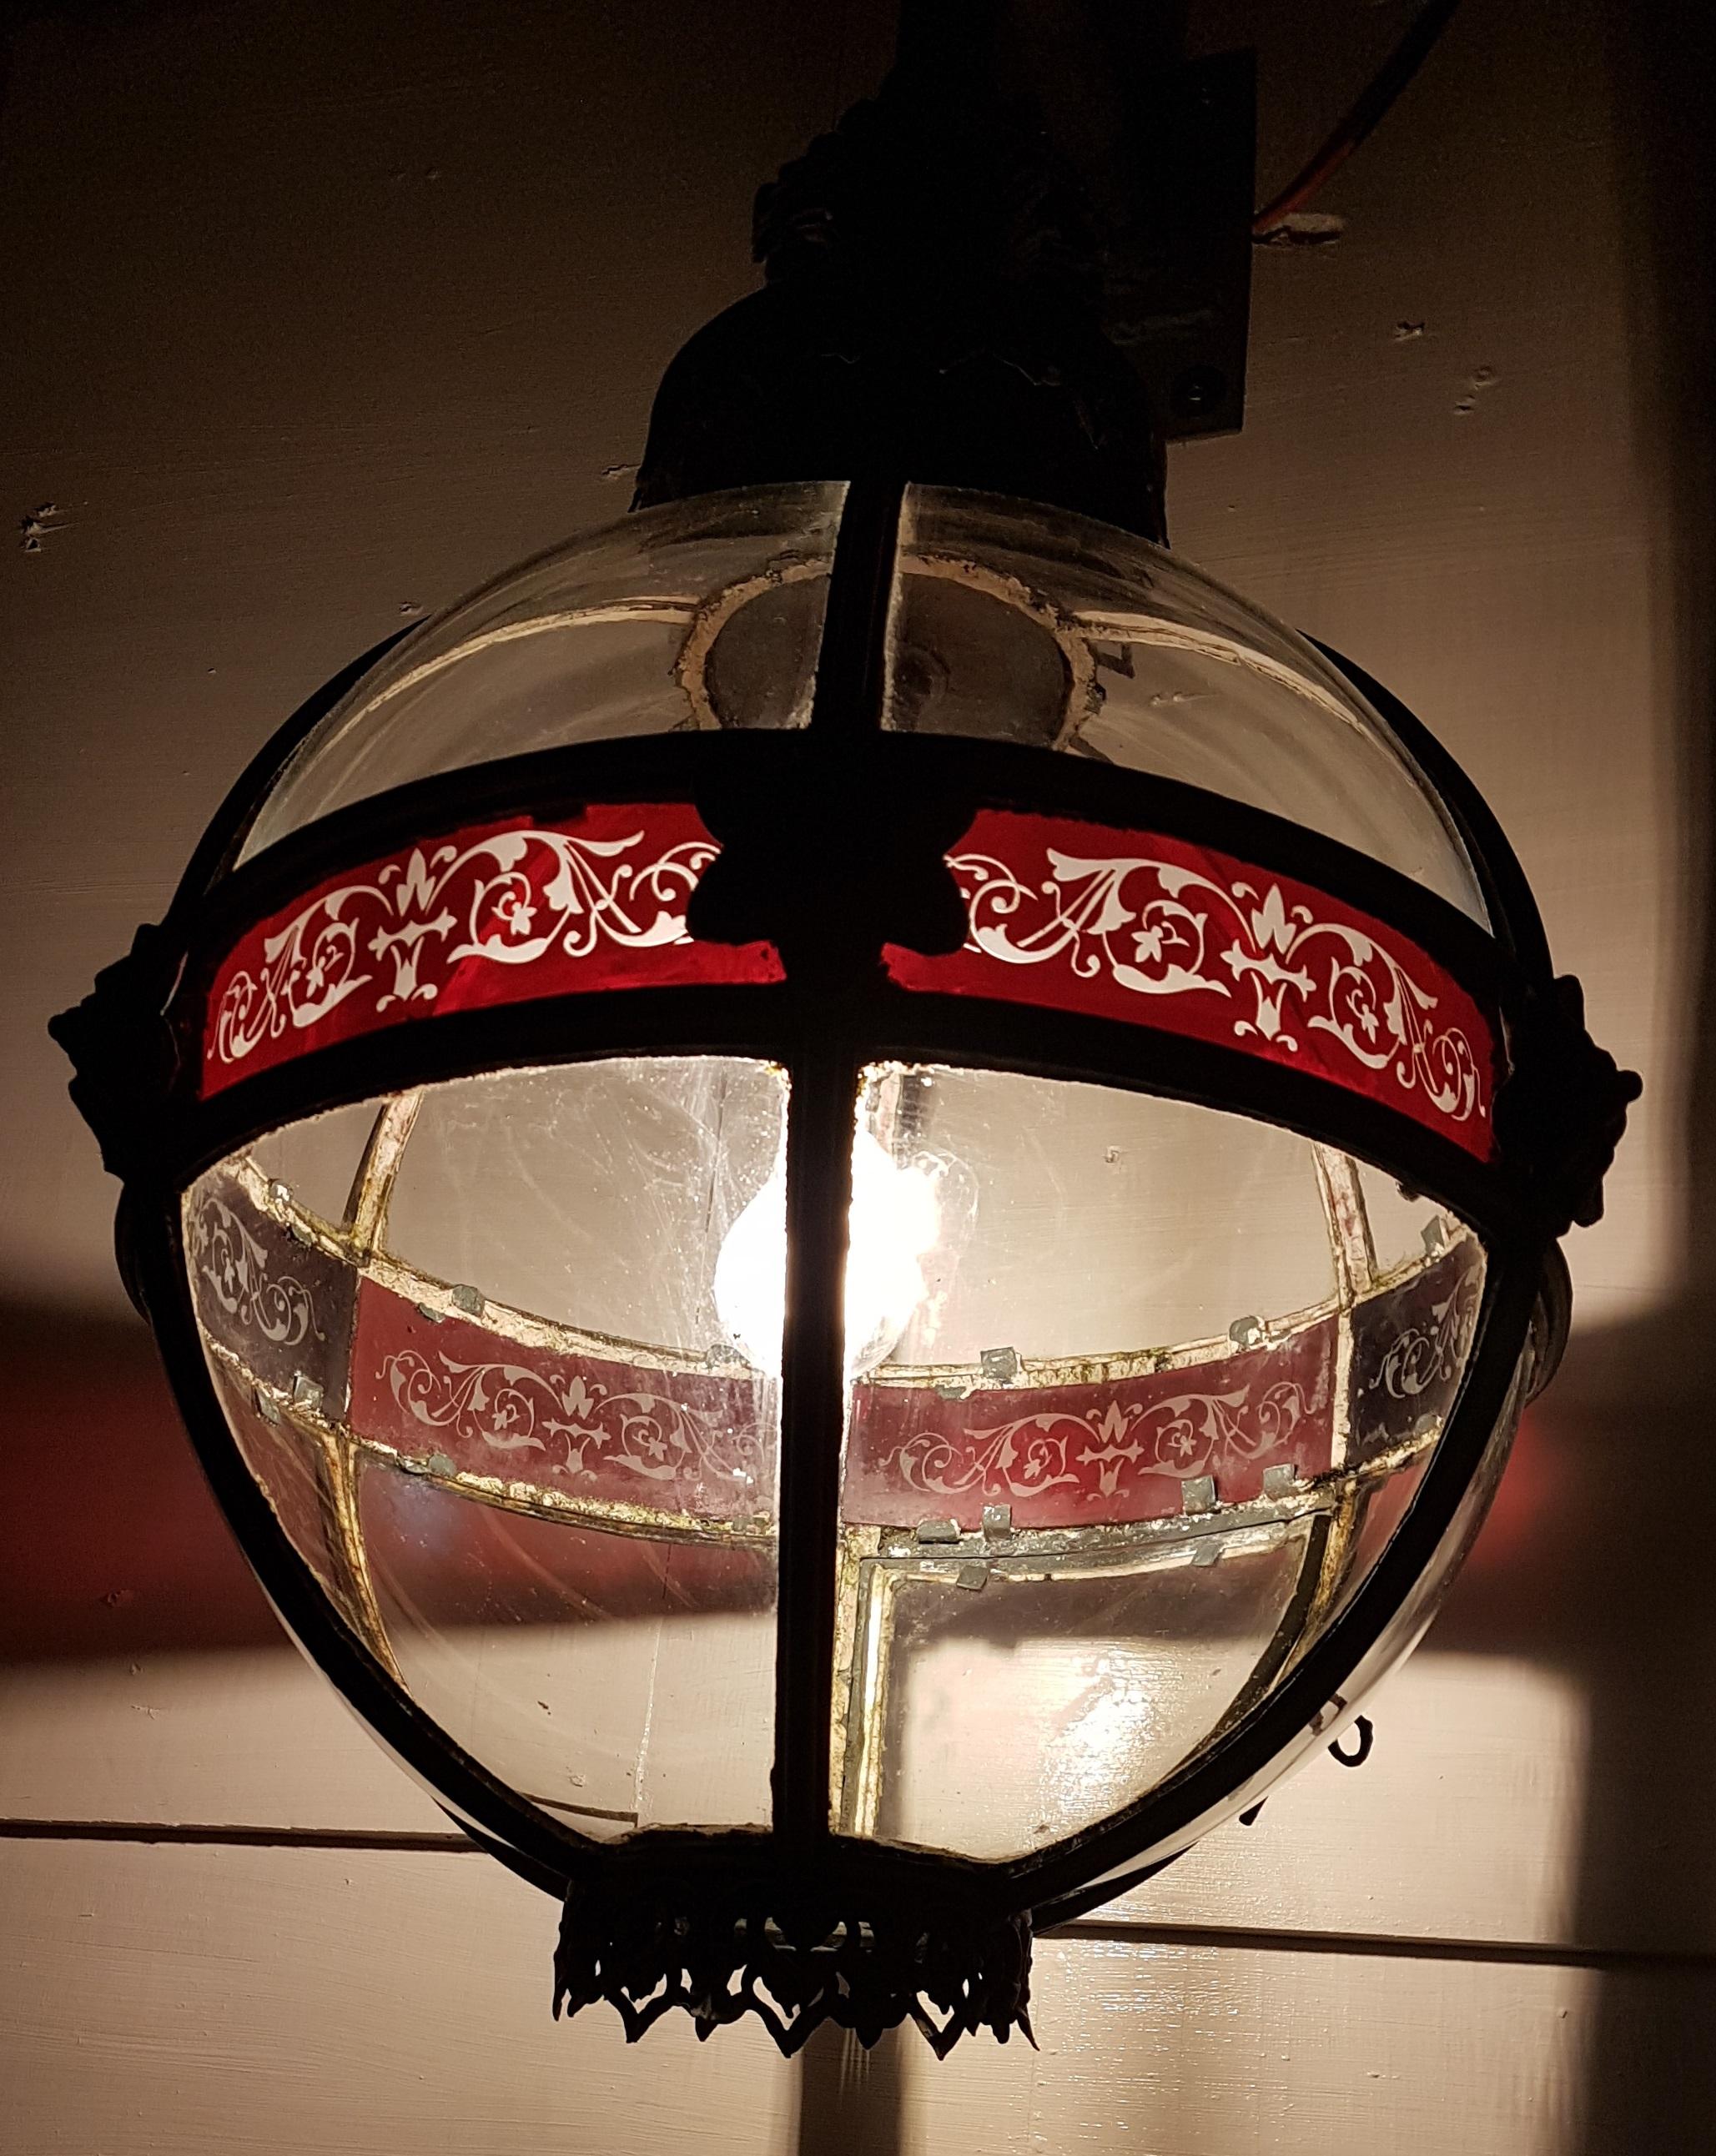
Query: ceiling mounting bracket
[
  {"x": 1022, "y": 268},
  {"x": 1178, "y": 289}
]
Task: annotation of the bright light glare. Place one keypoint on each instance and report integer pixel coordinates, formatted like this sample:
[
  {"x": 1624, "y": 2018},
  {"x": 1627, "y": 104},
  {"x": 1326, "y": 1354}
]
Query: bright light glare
[{"x": 893, "y": 1225}]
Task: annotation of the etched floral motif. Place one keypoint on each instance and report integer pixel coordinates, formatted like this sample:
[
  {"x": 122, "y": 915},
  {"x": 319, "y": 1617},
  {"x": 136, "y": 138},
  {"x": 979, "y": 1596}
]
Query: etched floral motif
[
  {"x": 507, "y": 899},
  {"x": 587, "y": 1428},
  {"x": 1187, "y": 1434},
  {"x": 234, "y": 1264},
  {"x": 1157, "y": 929},
  {"x": 1432, "y": 1354}
]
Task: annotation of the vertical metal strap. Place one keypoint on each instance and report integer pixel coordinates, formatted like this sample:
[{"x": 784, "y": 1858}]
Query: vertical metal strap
[{"x": 845, "y": 716}]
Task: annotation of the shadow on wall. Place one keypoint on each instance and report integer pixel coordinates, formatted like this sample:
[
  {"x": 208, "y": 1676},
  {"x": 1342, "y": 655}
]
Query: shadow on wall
[
  {"x": 1597, "y": 1559},
  {"x": 1593, "y": 1561},
  {"x": 851, "y": 2100},
  {"x": 110, "y": 1544},
  {"x": 1638, "y": 1408}
]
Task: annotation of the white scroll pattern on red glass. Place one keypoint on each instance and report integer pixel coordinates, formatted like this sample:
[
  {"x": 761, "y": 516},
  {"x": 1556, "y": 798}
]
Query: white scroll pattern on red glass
[{"x": 1159, "y": 932}]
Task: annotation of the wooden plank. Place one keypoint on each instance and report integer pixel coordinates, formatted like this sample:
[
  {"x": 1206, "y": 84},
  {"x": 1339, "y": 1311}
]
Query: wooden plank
[
  {"x": 1445, "y": 472},
  {"x": 256, "y": 1738},
  {"x": 182, "y": 2000},
  {"x": 190, "y": 2001},
  {"x": 1204, "y": 2052},
  {"x": 319, "y": 450},
  {"x": 1465, "y": 1821},
  {"x": 1464, "y": 1824}
]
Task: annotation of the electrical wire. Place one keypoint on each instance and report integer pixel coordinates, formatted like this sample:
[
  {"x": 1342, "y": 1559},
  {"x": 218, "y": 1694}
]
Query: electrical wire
[{"x": 1401, "y": 65}]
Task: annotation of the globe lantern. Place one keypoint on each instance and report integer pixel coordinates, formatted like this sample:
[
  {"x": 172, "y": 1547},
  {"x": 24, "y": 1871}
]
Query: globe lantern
[{"x": 852, "y": 1189}]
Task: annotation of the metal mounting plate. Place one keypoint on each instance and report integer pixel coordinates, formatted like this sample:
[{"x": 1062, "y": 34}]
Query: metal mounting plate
[{"x": 1179, "y": 291}]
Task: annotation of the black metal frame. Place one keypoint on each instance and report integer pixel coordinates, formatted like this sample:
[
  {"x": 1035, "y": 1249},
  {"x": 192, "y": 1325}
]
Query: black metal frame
[
  {"x": 783, "y": 768},
  {"x": 834, "y": 1012}
]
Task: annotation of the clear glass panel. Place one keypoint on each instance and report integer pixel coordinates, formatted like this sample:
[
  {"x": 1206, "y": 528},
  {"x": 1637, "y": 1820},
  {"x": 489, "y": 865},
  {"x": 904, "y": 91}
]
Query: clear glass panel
[
  {"x": 599, "y": 1195},
  {"x": 1139, "y": 1393},
  {"x": 1396, "y": 1642},
  {"x": 496, "y": 1414},
  {"x": 1025, "y": 624},
  {"x": 1090, "y": 1685},
  {"x": 1403, "y": 1226},
  {"x": 291, "y": 1472},
  {"x": 706, "y": 613},
  {"x": 1077, "y": 1220},
  {"x": 1138, "y": 1409},
  {"x": 318, "y": 1160},
  {"x": 1380, "y": 1503},
  {"x": 617, "y": 1681}
]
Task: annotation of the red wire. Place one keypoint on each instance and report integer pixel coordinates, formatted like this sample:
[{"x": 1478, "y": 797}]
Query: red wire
[{"x": 1402, "y": 65}]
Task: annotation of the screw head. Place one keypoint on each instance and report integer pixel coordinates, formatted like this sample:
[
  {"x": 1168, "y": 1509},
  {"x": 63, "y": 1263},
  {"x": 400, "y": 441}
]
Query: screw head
[{"x": 1198, "y": 390}]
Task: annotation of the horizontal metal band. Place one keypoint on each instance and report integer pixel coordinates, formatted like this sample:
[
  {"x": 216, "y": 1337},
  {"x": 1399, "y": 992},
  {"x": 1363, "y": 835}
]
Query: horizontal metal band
[
  {"x": 557, "y": 783},
  {"x": 1147, "y": 928}
]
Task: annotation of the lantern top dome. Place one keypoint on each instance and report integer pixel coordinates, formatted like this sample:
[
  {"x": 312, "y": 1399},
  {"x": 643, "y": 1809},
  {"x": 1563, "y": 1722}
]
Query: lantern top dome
[{"x": 1008, "y": 621}]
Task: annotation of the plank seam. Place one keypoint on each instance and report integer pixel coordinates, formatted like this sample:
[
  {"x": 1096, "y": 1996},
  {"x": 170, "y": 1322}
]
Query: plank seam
[
  {"x": 186, "y": 1835},
  {"x": 1386, "y": 1946},
  {"x": 1117, "y": 1930}
]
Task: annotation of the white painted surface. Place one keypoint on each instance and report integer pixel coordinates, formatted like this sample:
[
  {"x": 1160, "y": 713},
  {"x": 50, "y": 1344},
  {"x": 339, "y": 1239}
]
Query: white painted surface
[
  {"x": 323, "y": 315},
  {"x": 259, "y": 1740},
  {"x": 187, "y": 2001}
]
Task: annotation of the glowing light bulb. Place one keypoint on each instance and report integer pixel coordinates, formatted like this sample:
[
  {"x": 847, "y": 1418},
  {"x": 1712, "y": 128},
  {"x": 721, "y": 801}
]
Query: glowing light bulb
[
  {"x": 894, "y": 1223},
  {"x": 751, "y": 1276}
]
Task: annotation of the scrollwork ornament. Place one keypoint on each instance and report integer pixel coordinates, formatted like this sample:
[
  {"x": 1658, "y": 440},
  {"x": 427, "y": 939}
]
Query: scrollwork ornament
[
  {"x": 508, "y": 900},
  {"x": 583, "y": 1427},
  {"x": 721, "y": 1945},
  {"x": 1160, "y": 929},
  {"x": 1563, "y": 1112},
  {"x": 122, "y": 1049},
  {"x": 234, "y": 1267},
  {"x": 1186, "y": 1435},
  {"x": 1429, "y": 1358}
]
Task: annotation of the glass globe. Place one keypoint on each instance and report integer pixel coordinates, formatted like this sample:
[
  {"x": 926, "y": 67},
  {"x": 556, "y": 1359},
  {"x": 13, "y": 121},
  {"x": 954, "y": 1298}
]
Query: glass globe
[{"x": 1139, "y": 1388}]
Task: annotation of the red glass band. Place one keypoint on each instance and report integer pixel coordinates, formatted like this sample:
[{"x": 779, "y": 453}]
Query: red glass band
[
  {"x": 498, "y": 913},
  {"x": 1095, "y": 1455},
  {"x": 1120, "y": 1450},
  {"x": 1126, "y": 925},
  {"x": 451, "y": 1395},
  {"x": 1064, "y": 915}
]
